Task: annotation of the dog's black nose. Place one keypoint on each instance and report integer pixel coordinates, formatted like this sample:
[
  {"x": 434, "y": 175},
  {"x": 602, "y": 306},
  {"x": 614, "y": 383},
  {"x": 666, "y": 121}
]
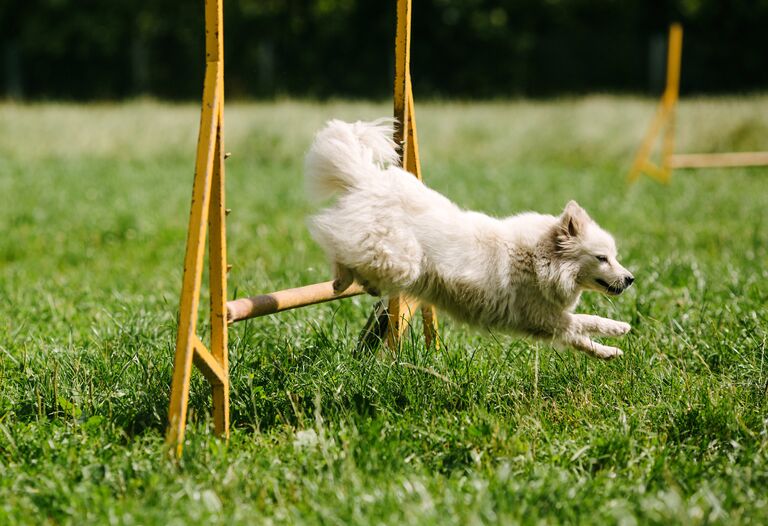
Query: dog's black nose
[{"x": 629, "y": 280}]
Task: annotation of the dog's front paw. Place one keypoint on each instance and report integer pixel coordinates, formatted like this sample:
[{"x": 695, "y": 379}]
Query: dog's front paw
[
  {"x": 620, "y": 328},
  {"x": 608, "y": 353}
]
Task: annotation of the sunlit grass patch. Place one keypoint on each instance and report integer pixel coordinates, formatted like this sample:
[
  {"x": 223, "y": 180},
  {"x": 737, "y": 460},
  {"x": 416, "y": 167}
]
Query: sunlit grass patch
[{"x": 488, "y": 429}]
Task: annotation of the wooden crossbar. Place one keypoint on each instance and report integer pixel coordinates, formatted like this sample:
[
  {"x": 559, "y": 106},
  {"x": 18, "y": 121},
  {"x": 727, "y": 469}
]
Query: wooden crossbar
[
  {"x": 718, "y": 160},
  {"x": 282, "y": 300}
]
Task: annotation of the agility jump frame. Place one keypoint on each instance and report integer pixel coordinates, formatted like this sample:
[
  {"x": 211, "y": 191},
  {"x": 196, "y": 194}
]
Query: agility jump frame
[
  {"x": 664, "y": 123},
  {"x": 386, "y": 323}
]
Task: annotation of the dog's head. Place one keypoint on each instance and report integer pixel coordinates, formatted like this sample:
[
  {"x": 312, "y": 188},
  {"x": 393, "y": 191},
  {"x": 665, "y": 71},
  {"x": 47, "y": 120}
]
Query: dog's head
[{"x": 593, "y": 250}]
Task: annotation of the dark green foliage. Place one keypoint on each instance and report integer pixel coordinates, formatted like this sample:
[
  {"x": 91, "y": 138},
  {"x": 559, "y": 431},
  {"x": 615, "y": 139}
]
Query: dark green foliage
[{"x": 67, "y": 49}]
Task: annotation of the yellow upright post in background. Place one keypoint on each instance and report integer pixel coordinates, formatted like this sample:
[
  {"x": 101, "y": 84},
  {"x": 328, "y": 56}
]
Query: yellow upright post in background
[
  {"x": 399, "y": 308},
  {"x": 671, "y": 95},
  {"x": 207, "y": 210},
  {"x": 664, "y": 121}
]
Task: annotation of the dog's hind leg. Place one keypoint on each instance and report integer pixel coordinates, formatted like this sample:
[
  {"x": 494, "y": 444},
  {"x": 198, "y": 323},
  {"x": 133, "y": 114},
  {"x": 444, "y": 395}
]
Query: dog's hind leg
[
  {"x": 370, "y": 289},
  {"x": 343, "y": 278},
  {"x": 588, "y": 323}
]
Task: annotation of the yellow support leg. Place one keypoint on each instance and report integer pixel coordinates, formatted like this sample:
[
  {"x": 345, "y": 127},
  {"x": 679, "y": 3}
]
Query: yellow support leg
[
  {"x": 389, "y": 318},
  {"x": 664, "y": 121},
  {"x": 207, "y": 209},
  {"x": 672, "y": 93},
  {"x": 642, "y": 163},
  {"x": 400, "y": 308},
  {"x": 413, "y": 165},
  {"x": 217, "y": 257}
]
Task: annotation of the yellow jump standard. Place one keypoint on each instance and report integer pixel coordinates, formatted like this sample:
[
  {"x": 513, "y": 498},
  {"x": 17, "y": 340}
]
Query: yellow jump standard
[
  {"x": 388, "y": 320},
  {"x": 664, "y": 123}
]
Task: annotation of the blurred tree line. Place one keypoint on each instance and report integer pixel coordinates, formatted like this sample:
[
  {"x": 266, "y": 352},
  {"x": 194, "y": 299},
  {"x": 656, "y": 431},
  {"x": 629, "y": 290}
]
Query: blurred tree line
[{"x": 105, "y": 49}]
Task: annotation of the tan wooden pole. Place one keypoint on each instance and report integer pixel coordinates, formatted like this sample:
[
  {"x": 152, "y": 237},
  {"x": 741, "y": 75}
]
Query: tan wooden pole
[
  {"x": 719, "y": 160},
  {"x": 282, "y": 300}
]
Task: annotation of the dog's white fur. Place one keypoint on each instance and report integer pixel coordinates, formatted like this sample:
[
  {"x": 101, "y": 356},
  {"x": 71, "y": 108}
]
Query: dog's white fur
[{"x": 523, "y": 273}]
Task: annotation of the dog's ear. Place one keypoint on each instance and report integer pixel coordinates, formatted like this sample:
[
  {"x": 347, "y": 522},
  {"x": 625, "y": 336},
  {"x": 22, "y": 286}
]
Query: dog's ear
[{"x": 574, "y": 219}]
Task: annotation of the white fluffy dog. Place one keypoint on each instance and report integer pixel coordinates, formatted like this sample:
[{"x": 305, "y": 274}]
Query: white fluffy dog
[{"x": 391, "y": 233}]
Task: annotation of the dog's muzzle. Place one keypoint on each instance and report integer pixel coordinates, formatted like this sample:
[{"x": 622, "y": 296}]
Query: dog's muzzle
[{"x": 618, "y": 286}]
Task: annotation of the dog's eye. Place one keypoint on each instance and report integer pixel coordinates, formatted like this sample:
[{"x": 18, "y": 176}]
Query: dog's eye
[{"x": 602, "y": 259}]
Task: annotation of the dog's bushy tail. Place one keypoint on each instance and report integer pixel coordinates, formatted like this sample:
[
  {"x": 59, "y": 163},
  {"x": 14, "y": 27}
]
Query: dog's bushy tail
[{"x": 343, "y": 155}]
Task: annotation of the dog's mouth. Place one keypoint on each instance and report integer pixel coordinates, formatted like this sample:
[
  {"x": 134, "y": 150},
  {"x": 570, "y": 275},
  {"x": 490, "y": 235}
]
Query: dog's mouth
[{"x": 610, "y": 289}]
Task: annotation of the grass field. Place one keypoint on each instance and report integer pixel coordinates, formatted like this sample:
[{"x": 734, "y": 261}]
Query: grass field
[{"x": 94, "y": 206}]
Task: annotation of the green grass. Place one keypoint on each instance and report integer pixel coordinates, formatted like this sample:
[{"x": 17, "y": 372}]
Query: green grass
[{"x": 94, "y": 208}]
